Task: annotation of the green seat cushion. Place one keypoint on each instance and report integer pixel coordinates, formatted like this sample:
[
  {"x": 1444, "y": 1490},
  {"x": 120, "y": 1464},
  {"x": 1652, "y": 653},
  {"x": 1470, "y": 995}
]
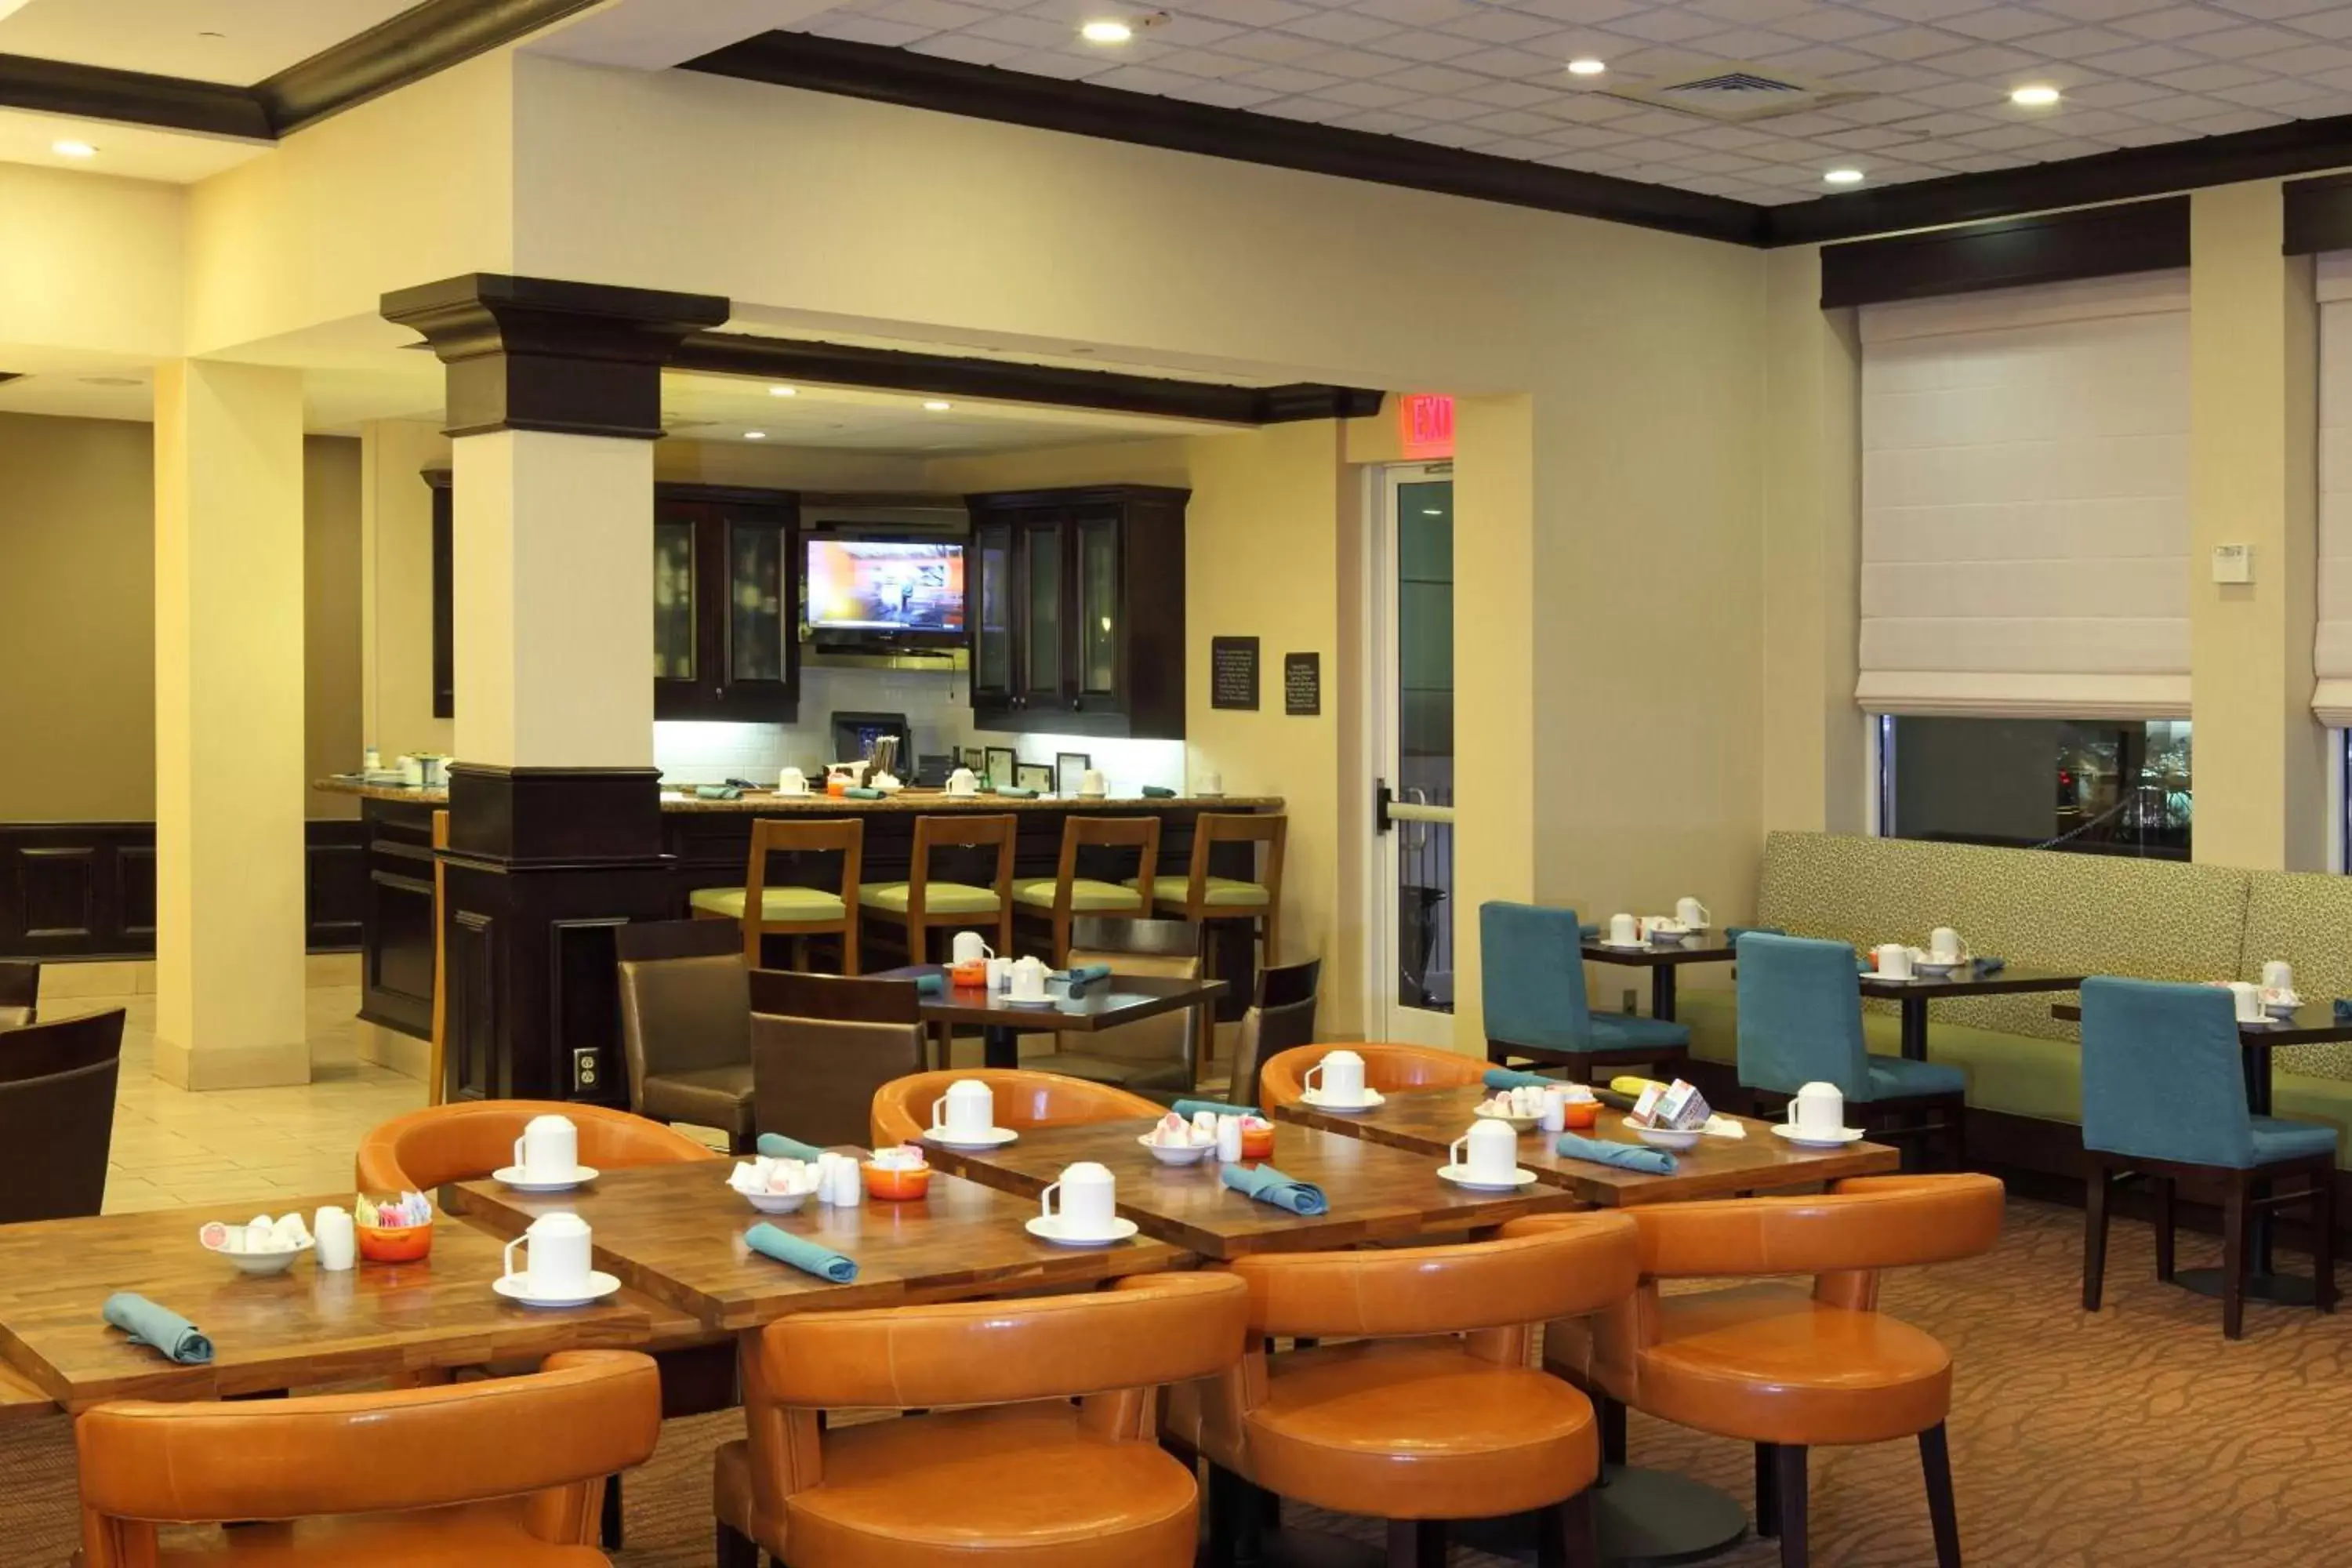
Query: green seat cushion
[
  {"x": 775, "y": 903},
  {"x": 1230, "y": 891},
  {"x": 2323, "y": 1101},
  {"x": 1086, "y": 895},
  {"x": 939, "y": 898}
]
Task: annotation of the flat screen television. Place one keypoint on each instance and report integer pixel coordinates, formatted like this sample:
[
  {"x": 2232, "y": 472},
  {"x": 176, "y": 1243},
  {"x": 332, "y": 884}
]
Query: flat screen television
[{"x": 867, "y": 590}]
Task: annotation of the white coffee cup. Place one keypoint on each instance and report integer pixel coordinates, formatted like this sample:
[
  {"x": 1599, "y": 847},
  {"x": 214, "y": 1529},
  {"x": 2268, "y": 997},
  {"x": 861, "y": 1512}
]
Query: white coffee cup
[
  {"x": 1818, "y": 1112},
  {"x": 549, "y": 1149},
  {"x": 1089, "y": 1200},
  {"x": 1944, "y": 945},
  {"x": 1893, "y": 960},
  {"x": 1028, "y": 980},
  {"x": 963, "y": 781},
  {"x": 967, "y": 1110},
  {"x": 792, "y": 781},
  {"x": 1624, "y": 930},
  {"x": 2278, "y": 976},
  {"x": 1693, "y": 914},
  {"x": 559, "y": 1261},
  {"x": 1342, "y": 1074},
  {"x": 2248, "y": 998},
  {"x": 1209, "y": 786},
  {"x": 1090, "y": 782},
  {"x": 1000, "y": 974},
  {"x": 1493, "y": 1152},
  {"x": 969, "y": 946}
]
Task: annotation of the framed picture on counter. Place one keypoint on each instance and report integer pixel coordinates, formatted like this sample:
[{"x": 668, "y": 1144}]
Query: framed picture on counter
[
  {"x": 1069, "y": 771},
  {"x": 1004, "y": 763},
  {"x": 1036, "y": 776},
  {"x": 976, "y": 759}
]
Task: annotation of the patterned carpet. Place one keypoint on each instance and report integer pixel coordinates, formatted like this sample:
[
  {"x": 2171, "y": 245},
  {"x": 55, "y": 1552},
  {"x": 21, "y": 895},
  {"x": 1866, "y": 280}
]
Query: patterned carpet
[{"x": 2134, "y": 1438}]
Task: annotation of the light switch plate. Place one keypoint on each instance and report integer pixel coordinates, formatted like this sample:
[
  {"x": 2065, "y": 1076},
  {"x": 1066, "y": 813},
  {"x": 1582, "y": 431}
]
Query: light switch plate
[{"x": 2233, "y": 564}]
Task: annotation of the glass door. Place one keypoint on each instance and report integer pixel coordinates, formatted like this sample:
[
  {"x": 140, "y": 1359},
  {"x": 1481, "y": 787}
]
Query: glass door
[
  {"x": 1099, "y": 607},
  {"x": 1411, "y": 621},
  {"x": 991, "y": 633},
  {"x": 1045, "y": 628}
]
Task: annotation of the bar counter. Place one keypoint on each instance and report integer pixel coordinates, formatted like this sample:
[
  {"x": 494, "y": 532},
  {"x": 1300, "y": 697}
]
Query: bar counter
[{"x": 763, "y": 803}]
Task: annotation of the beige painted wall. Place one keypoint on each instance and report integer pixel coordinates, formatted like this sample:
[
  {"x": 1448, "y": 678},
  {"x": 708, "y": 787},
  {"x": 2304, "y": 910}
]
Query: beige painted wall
[
  {"x": 77, "y": 616},
  {"x": 396, "y": 589},
  {"x": 92, "y": 265}
]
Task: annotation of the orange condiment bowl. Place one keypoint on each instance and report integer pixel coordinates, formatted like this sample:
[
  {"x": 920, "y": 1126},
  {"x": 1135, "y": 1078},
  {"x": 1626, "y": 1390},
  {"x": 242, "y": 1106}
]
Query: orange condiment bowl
[
  {"x": 972, "y": 972},
  {"x": 404, "y": 1244},
  {"x": 1579, "y": 1114},
  {"x": 895, "y": 1185},
  {"x": 1257, "y": 1142}
]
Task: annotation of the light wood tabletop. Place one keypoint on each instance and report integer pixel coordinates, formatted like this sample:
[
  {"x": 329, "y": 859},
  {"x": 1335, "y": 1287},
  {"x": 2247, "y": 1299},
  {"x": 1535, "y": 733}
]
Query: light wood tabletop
[
  {"x": 675, "y": 1232},
  {"x": 1426, "y": 1120},
  {"x": 300, "y": 1328},
  {"x": 1377, "y": 1192}
]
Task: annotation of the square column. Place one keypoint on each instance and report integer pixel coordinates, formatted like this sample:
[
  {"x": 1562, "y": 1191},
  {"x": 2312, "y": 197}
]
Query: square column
[{"x": 229, "y": 1008}]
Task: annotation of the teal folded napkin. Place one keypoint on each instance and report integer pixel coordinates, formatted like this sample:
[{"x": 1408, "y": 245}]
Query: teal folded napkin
[
  {"x": 1624, "y": 1156},
  {"x": 802, "y": 1253},
  {"x": 1158, "y": 792},
  {"x": 1014, "y": 792},
  {"x": 1587, "y": 930},
  {"x": 1511, "y": 1078},
  {"x": 861, "y": 793},
  {"x": 1081, "y": 975},
  {"x": 1991, "y": 965},
  {"x": 1189, "y": 1108},
  {"x": 158, "y": 1327},
  {"x": 716, "y": 792},
  {"x": 776, "y": 1146},
  {"x": 933, "y": 985},
  {"x": 1268, "y": 1185}
]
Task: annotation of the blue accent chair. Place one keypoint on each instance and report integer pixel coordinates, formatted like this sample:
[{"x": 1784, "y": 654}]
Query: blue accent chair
[
  {"x": 1800, "y": 1023},
  {"x": 2164, "y": 1096},
  {"x": 1532, "y": 960}
]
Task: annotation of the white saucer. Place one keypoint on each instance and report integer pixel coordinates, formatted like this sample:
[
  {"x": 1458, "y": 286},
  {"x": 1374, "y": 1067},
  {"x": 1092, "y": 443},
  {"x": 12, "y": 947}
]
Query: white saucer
[
  {"x": 1373, "y": 1099},
  {"x": 994, "y": 1138},
  {"x": 513, "y": 1178},
  {"x": 1027, "y": 1002},
  {"x": 512, "y": 1287},
  {"x": 1460, "y": 1176},
  {"x": 1045, "y": 1229},
  {"x": 1845, "y": 1135}
]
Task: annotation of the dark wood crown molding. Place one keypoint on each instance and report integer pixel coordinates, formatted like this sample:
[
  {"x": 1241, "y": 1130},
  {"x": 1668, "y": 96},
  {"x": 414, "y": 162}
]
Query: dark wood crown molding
[
  {"x": 131, "y": 98},
  {"x": 2318, "y": 215},
  {"x": 539, "y": 353},
  {"x": 841, "y": 364},
  {"x": 2051, "y": 247}
]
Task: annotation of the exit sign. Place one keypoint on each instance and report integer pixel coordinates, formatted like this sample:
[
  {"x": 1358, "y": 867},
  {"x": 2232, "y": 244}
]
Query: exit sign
[{"x": 1427, "y": 421}]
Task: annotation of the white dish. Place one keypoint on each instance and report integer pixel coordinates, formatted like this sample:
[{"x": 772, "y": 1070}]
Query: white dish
[
  {"x": 1845, "y": 1135},
  {"x": 994, "y": 1138},
  {"x": 1177, "y": 1154},
  {"x": 1664, "y": 1137},
  {"x": 277, "y": 1260},
  {"x": 513, "y": 1176},
  {"x": 775, "y": 1203},
  {"x": 1046, "y": 1228},
  {"x": 1373, "y": 1099},
  {"x": 1936, "y": 968},
  {"x": 1039, "y": 1002},
  {"x": 1516, "y": 1123},
  {"x": 515, "y": 1288},
  {"x": 1460, "y": 1176}
]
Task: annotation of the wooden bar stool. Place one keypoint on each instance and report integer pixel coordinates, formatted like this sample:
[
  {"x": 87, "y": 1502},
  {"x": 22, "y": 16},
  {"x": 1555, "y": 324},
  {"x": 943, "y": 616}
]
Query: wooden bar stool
[
  {"x": 920, "y": 903},
  {"x": 765, "y": 908},
  {"x": 1206, "y": 898},
  {"x": 1066, "y": 894}
]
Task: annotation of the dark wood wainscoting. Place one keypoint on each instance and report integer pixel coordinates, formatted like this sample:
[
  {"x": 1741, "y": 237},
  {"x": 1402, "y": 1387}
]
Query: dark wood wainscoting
[{"x": 87, "y": 889}]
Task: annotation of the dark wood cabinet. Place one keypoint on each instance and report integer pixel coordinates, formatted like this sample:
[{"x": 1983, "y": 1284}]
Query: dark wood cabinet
[{"x": 1079, "y": 619}]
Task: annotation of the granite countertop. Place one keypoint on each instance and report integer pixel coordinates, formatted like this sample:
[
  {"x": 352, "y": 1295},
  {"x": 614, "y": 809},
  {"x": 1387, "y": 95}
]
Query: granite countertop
[{"x": 906, "y": 800}]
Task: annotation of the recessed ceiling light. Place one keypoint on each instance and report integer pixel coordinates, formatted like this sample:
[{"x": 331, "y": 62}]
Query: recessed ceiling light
[
  {"x": 784, "y": 392},
  {"x": 1106, "y": 31},
  {"x": 1587, "y": 66},
  {"x": 935, "y": 406},
  {"x": 73, "y": 149},
  {"x": 755, "y": 435},
  {"x": 1844, "y": 176},
  {"x": 2034, "y": 97}
]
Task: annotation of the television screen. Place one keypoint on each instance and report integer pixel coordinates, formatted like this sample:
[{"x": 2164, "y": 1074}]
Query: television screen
[{"x": 885, "y": 585}]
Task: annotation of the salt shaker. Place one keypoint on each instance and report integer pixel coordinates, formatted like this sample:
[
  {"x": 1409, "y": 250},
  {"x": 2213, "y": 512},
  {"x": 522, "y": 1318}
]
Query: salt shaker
[
  {"x": 1228, "y": 1140},
  {"x": 1555, "y": 1110},
  {"x": 338, "y": 1242}
]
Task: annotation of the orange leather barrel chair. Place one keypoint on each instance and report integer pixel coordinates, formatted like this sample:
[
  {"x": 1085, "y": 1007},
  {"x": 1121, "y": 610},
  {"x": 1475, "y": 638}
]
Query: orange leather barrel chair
[
  {"x": 478, "y": 1475},
  {"x": 1781, "y": 1366},
  {"x": 1431, "y": 1412},
  {"x": 1032, "y": 1478},
  {"x": 1386, "y": 1069},
  {"x": 466, "y": 1140},
  {"x": 902, "y": 1108}
]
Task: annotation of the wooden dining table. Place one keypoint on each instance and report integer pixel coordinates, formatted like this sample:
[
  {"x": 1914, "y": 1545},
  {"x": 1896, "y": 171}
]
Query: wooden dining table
[
  {"x": 1914, "y": 994},
  {"x": 1663, "y": 960},
  {"x": 1110, "y": 1004}
]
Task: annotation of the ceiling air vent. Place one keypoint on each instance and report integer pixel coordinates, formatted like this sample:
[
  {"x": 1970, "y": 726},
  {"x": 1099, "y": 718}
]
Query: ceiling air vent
[{"x": 1734, "y": 92}]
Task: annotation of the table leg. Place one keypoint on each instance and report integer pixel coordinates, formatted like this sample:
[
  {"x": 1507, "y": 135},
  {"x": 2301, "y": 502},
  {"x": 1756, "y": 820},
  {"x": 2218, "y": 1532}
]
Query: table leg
[
  {"x": 2263, "y": 1283},
  {"x": 1000, "y": 1047},
  {"x": 1661, "y": 991},
  {"x": 1645, "y": 1519},
  {"x": 1915, "y": 1028}
]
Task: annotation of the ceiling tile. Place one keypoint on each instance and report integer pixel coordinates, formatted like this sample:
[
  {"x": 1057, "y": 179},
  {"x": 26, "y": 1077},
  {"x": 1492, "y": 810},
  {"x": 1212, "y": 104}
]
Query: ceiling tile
[
  {"x": 1516, "y": 122},
  {"x": 2146, "y": 61},
  {"x": 1724, "y": 138},
  {"x": 1921, "y": 10},
  {"x": 1222, "y": 94},
  {"x": 1452, "y": 135},
  {"x": 1511, "y": 64},
  {"x": 2174, "y": 22},
  {"x": 1272, "y": 48},
  {"x": 968, "y": 47},
  {"x": 1739, "y": 43},
  {"x": 1833, "y": 24},
  {"x": 1417, "y": 44},
  {"x": 1865, "y": 138},
  {"x": 1520, "y": 94},
  {"x": 2000, "y": 24},
  {"x": 1204, "y": 65},
  {"x": 1660, "y": 26},
  {"x": 2205, "y": 77},
  {"x": 1029, "y": 32},
  {"x": 871, "y": 30},
  {"x": 939, "y": 15},
  {"x": 2276, "y": 10},
  {"x": 1378, "y": 121},
  {"x": 1818, "y": 60},
  {"x": 1055, "y": 63},
  {"x": 2335, "y": 22},
  {"x": 1581, "y": 12},
  {"x": 1905, "y": 43},
  {"x": 1981, "y": 60},
  {"x": 1751, "y": 10},
  {"x": 1143, "y": 79},
  {"x": 1413, "y": 13},
  {"x": 1343, "y": 27},
  {"x": 2149, "y": 135},
  {"x": 2306, "y": 99},
  {"x": 1957, "y": 95},
  {"x": 1368, "y": 95},
  {"x": 1496, "y": 25},
  {"x": 2308, "y": 61},
  {"x": 2098, "y": 10},
  {"x": 2236, "y": 119},
  {"x": 1287, "y": 79},
  {"x": 2114, "y": 94},
  {"x": 1350, "y": 63}
]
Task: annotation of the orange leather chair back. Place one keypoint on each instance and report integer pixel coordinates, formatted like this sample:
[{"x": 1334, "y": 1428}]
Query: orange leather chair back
[
  {"x": 1386, "y": 1067},
  {"x": 466, "y": 1140},
  {"x": 553, "y": 1436},
  {"x": 1863, "y": 1224},
  {"x": 902, "y": 1108}
]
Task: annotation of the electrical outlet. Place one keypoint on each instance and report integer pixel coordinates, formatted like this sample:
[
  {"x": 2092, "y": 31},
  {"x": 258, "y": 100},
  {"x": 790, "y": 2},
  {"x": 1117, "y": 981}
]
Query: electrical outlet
[
  {"x": 583, "y": 1067},
  {"x": 1625, "y": 1001}
]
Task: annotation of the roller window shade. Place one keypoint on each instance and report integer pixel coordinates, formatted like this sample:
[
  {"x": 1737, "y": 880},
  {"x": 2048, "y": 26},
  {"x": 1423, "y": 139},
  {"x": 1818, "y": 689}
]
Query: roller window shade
[
  {"x": 2332, "y": 643},
  {"x": 2025, "y": 502}
]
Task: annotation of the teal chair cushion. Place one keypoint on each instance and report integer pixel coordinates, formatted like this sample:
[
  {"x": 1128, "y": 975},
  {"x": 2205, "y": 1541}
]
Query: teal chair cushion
[
  {"x": 1531, "y": 982},
  {"x": 1896, "y": 1077},
  {"x": 939, "y": 899},
  {"x": 1619, "y": 1031},
  {"x": 2277, "y": 1139},
  {"x": 1801, "y": 1017}
]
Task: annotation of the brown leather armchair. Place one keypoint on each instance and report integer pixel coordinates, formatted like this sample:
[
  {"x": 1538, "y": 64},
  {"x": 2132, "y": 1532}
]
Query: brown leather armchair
[
  {"x": 1778, "y": 1365},
  {"x": 466, "y": 1140},
  {"x": 685, "y": 1023},
  {"x": 902, "y": 1108},
  {"x": 1154, "y": 1057},
  {"x": 1431, "y": 1412},
  {"x": 57, "y": 1099},
  {"x": 1281, "y": 1016},
  {"x": 1386, "y": 1067},
  {"x": 822, "y": 1045},
  {"x": 1031, "y": 1478},
  {"x": 479, "y": 1475}
]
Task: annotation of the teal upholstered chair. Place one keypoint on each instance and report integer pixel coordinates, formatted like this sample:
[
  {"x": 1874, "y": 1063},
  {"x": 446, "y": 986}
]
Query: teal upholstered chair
[
  {"x": 1800, "y": 1023},
  {"x": 1532, "y": 960},
  {"x": 2164, "y": 1096}
]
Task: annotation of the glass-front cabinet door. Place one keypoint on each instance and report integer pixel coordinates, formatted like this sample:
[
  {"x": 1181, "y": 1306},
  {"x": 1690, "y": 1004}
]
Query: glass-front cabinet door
[
  {"x": 758, "y": 619},
  {"x": 677, "y": 660},
  {"x": 992, "y": 682},
  {"x": 725, "y": 609},
  {"x": 1098, "y": 605},
  {"x": 1045, "y": 629}
]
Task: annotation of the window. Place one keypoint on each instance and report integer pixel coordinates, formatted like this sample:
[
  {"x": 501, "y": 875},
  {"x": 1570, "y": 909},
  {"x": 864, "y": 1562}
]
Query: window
[{"x": 2093, "y": 786}]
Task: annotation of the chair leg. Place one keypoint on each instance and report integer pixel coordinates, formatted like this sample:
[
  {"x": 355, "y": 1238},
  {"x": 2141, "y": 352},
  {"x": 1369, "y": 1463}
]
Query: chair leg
[
  {"x": 1935, "y": 1460},
  {"x": 1416, "y": 1543},
  {"x": 2095, "y": 1232},
  {"x": 1956, "y": 1137},
  {"x": 2322, "y": 1238},
  {"x": 1788, "y": 1461},
  {"x": 2235, "y": 1204},
  {"x": 609, "y": 1525},
  {"x": 735, "y": 1549},
  {"x": 2164, "y": 1228},
  {"x": 849, "y": 944},
  {"x": 1564, "y": 1534},
  {"x": 1767, "y": 1491},
  {"x": 1612, "y": 1429},
  {"x": 1233, "y": 1517}
]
